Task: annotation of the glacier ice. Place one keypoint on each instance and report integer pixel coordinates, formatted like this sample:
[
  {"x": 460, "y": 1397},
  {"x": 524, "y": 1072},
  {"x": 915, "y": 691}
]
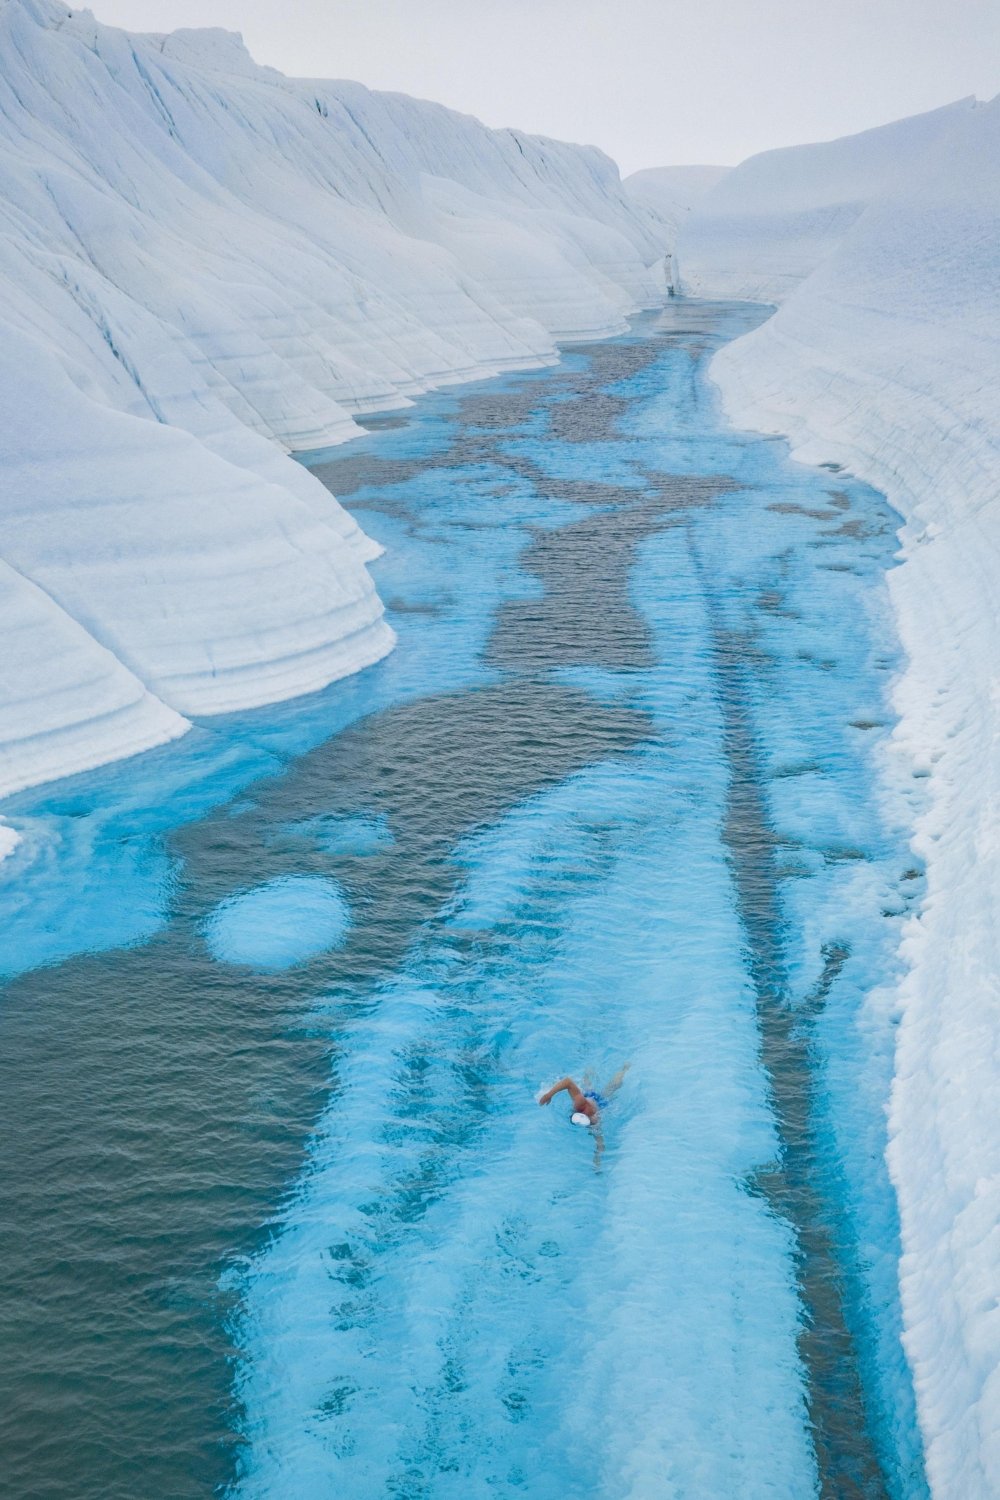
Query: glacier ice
[
  {"x": 203, "y": 267},
  {"x": 884, "y": 358},
  {"x": 668, "y": 194},
  {"x": 768, "y": 224}
]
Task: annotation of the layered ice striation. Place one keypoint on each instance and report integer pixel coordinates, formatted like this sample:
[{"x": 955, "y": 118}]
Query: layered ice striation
[
  {"x": 204, "y": 265},
  {"x": 884, "y": 358}
]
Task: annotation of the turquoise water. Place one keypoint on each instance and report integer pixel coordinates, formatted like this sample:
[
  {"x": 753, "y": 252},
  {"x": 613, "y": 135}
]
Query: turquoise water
[{"x": 285, "y": 1217}]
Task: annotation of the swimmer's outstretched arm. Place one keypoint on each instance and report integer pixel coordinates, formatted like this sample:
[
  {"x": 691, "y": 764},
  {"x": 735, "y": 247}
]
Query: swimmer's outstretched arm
[{"x": 574, "y": 1093}]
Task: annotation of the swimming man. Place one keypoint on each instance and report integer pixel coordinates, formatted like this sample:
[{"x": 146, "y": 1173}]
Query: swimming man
[{"x": 588, "y": 1102}]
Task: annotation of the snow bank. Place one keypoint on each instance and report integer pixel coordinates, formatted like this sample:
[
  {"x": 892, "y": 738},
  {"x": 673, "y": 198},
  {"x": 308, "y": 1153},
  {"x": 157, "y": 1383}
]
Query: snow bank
[
  {"x": 204, "y": 266},
  {"x": 886, "y": 359},
  {"x": 769, "y": 223}
]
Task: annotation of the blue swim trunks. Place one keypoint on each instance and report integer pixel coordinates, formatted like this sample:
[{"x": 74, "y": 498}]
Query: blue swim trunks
[{"x": 598, "y": 1099}]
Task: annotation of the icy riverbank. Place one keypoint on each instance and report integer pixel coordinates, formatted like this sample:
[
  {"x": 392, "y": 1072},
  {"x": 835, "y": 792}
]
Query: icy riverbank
[
  {"x": 885, "y": 359},
  {"x": 202, "y": 264}
]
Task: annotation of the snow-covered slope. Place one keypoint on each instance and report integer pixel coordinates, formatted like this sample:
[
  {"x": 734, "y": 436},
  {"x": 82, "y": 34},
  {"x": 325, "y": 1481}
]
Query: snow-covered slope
[
  {"x": 771, "y": 221},
  {"x": 668, "y": 194},
  {"x": 204, "y": 265},
  {"x": 887, "y": 360}
]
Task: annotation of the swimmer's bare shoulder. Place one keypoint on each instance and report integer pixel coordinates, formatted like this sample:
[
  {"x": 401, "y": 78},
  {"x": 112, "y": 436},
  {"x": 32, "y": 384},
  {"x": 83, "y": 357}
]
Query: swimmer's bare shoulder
[{"x": 581, "y": 1104}]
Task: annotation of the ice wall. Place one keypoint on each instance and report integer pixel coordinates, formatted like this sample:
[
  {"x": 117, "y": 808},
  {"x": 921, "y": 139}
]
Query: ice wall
[
  {"x": 204, "y": 265},
  {"x": 886, "y": 359},
  {"x": 667, "y": 195}
]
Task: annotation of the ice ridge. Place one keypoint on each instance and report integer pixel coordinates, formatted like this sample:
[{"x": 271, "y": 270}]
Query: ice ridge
[
  {"x": 205, "y": 266},
  {"x": 884, "y": 357}
]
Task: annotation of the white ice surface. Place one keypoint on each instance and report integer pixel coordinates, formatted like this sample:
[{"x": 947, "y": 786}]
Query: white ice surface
[
  {"x": 769, "y": 223},
  {"x": 886, "y": 360},
  {"x": 669, "y": 193},
  {"x": 203, "y": 266}
]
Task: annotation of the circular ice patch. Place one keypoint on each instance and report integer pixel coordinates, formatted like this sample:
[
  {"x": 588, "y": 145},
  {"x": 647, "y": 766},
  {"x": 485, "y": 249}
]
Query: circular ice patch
[{"x": 279, "y": 924}]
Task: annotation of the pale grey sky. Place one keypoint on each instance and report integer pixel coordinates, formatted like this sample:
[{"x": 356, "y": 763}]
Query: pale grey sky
[{"x": 651, "y": 81}]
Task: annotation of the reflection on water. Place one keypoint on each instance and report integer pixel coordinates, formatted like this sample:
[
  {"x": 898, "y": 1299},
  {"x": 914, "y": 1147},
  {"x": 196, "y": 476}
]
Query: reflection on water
[{"x": 302, "y": 1229}]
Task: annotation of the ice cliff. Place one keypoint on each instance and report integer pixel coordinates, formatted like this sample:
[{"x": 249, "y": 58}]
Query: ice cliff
[
  {"x": 667, "y": 195},
  {"x": 884, "y": 356},
  {"x": 204, "y": 266}
]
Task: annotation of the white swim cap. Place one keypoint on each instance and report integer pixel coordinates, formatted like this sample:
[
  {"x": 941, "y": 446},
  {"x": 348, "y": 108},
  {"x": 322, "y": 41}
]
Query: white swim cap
[{"x": 580, "y": 1119}]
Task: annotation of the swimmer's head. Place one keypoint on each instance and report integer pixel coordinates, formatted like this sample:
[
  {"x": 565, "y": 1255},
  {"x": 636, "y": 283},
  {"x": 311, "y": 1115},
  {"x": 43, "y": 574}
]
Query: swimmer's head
[{"x": 578, "y": 1118}]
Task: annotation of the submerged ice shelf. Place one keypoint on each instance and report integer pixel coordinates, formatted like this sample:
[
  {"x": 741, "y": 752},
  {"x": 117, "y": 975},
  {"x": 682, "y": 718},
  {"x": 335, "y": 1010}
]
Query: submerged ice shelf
[
  {"x": 279, "y": 924},
  {"x": 613, "y": 797}
]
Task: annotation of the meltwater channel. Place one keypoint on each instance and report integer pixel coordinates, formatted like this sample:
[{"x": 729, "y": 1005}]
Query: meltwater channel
[{"x": 281, "y": 1215}]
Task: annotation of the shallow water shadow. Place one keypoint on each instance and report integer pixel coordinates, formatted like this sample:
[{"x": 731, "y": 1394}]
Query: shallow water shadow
[{"x": 585, "y": 615}]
